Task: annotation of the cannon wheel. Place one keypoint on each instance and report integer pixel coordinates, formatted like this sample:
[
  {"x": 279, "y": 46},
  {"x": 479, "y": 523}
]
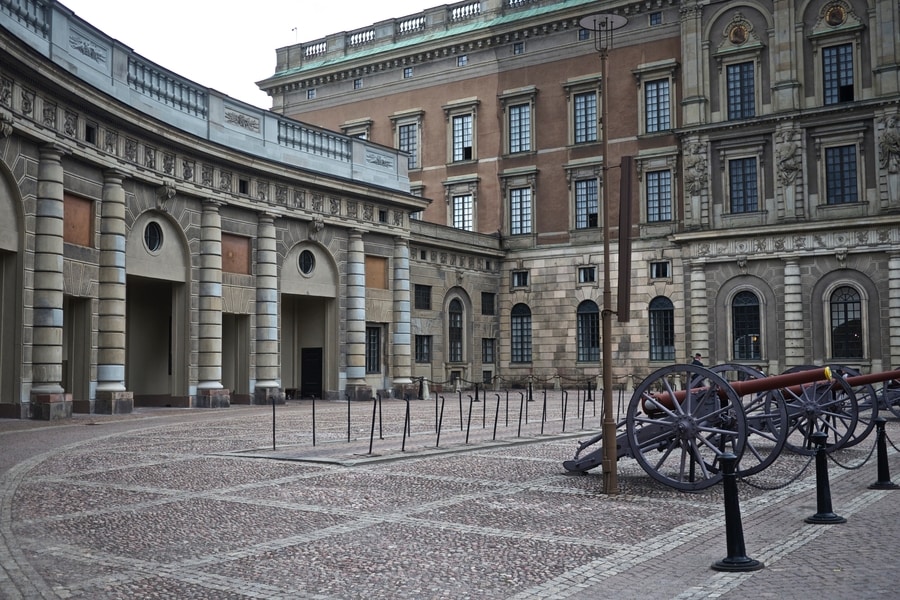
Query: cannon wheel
[
  {"x": 866, "y": 401},
  {"x": 766, "y": 417},
  {"x": 680, "y": 445},
  {"x": 829, "y": 407}
]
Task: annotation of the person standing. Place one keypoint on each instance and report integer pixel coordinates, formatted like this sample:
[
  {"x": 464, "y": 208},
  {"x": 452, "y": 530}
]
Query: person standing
[{"x": 697, "y": 360}]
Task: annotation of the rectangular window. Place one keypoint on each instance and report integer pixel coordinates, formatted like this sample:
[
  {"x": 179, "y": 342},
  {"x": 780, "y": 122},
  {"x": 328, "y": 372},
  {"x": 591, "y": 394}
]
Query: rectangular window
[
  {"x": 585, "y": 114},
  {"x": 519, "y": 128},
  {"x": 655, "y": 18},
  {"x": 837, "y": 71},
  {"x": 520, "y": 211},
  {"x": 741, "y": 91},
  {"x": 462, "y": 212},
  {"x": 586, "y": 204},
  {"x": 462, "y": 138},
  {"x": 487, "y": 351},
  {"x": 840, "y": 175},
  {"x": 660, "y": 270},
  {"x": 584, "y": 34},
  {"x": 407, "y": 72},
  {"x": 408, "y": 137},
  {"x": 659, "y": 196},
  {"x": 422, "y": 296},
  {"x": 742, "y": 185},
  {"x": 357, "y": 83},
  {"x": 520, "y": 278},
  {"x": 518, "y": 47},
  {"x": 488, "y": 303},
  {"x": 462, "y": 61},
  {"x": 423, "y": 348},
  {"x": 373, "y": 349},
  {"x": 587, "y": 274},
  {"x": 656, "y": 105},
  {"x": 310, "y": 94}
]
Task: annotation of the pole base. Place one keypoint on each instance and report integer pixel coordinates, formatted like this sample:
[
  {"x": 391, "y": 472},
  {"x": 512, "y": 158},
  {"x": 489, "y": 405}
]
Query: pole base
[
  {"x": 825, "y": 519},
  {"x": 884, "y": 485},
  {"x": 737, "y": 563}
]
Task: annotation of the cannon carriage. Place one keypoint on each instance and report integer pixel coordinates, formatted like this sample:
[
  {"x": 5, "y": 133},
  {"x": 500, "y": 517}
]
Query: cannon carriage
[{"x": 682, "y": 418}]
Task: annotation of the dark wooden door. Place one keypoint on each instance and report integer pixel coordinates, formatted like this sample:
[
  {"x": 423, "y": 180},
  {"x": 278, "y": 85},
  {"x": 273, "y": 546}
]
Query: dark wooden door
[{"x": 311, "y": 372}]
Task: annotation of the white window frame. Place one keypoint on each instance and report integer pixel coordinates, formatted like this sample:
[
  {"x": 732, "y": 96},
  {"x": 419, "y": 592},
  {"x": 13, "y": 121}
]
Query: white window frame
[
  {"x": 410, "y": 118},
  {"x": 584, "y": 85},
  {"x": 650, "y": 73},
  {"x": 358, "y": 128},
  {"x": 521, "y": 97},
  {"x": 460, "y": 108}
]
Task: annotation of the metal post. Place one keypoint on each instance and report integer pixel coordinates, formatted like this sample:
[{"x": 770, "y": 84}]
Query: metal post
[
  {"x": 824, "y": 513},
  {"x": 602, "y": 25},
  {"x": 884, "y": 475},
  {"x": 737, "y": 559}
]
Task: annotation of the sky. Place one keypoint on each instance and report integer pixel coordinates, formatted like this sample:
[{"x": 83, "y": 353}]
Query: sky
[{"x": 229, "y": 46}]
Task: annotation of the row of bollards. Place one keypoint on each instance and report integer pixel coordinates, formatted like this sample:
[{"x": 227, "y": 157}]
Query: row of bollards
[{"x": 737, "y": 559}]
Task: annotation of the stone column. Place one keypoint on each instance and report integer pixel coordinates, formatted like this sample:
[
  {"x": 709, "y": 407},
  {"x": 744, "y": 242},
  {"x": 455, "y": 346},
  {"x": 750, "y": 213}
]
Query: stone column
[
  {"x": 356, "y": 318},
  {"x": 49, "y": 400},
  {"x": 112, "y": 397},
  {"x": 402, "y": 353},
  {"x": 699, "y": 315},
  {"x": 794, "y": 351},
  {"x": 894, "y": 309},
  {"x": 210, "y": 393},
  {"x": 268, "y": 384}
]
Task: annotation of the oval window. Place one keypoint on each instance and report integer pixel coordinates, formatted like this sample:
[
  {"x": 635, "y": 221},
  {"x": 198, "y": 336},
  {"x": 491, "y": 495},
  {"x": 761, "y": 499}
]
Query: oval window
[
  {"x": 153, "y": 236},
  {"x": 307, "y": 262}
]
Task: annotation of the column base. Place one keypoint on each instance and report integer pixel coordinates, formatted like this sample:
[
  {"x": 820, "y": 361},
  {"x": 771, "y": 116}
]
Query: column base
[
  {"x": 268, "y": 395},
  {"x": 212, "y": 398},
  {"x": 359, "y": 392},
  {"x": 113, "y": 403},
  {"x": 51, "y": 407}
]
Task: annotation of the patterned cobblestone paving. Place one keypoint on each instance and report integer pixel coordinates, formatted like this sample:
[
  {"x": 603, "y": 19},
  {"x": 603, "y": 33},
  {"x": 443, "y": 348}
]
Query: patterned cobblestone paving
[{"x": 198, "y": 504}]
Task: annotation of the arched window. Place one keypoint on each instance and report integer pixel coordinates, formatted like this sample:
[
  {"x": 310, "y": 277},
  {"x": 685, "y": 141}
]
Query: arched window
[
  {"x": 588, "y": 332},
  {"x": 520, "y": 320},
  {"x": 455, "y": 331},
  {"x": 846, "y": 323},
  {"x": 662, "y": 329},
  {"x": 745, "y": 326}
]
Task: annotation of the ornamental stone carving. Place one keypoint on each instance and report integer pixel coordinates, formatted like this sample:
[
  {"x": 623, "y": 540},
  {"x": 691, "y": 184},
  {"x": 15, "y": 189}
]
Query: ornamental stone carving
[
  {"x": 787, "y": 157},
  {"x": 696, "y": 171}
]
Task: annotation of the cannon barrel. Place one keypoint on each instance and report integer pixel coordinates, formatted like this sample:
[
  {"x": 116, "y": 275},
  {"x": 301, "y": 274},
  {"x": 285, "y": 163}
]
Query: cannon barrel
[{"x": 789, "y": 381}]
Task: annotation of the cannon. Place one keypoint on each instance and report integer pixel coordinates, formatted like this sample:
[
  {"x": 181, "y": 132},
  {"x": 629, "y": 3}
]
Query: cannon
[{"x": 682, "y": 418}]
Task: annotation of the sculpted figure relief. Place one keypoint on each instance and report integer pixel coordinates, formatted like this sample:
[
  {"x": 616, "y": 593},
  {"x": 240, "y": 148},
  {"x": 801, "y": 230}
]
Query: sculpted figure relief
[
  {"x": 695, "y": 168},
  {"x": 787, "y": 158}
]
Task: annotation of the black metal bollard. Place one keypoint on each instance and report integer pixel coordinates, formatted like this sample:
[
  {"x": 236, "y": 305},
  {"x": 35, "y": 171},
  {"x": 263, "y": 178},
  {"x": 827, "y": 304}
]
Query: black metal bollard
[
  {"x": 884, "y": 476},
  {"x": 737, "y": 559},
  {"x": 824, "y": 514}
]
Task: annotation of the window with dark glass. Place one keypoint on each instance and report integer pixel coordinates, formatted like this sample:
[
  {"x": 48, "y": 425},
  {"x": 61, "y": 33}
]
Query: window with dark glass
[
  {"x": 409, "y": 142},
  {"x": 846, "y": 323},
  {"x": 455, "y": 331},
  {"x": 586, "y": 204},
  {"x": 659, "y": 196},
  {"x": 742, "y": 185},
  {"x": 587, "y": 274},
  {"x": 153, "y": 236},
  {"x": 487, "y": 351},
  {"x": 488, "y": 303},
  {"x": 837, "y": 70},
  {"x": 741, "y": 90},
  {"x": 307, "y": 262},
  {"x": 422, "y": 295},
  {"x": 746, "y": 326},
  {"x": 588, "y": 332},
  {"x": 462, "y": 138},
  {"x": 585, "y": 107},
  {"x": 662, "y": 329},
  {"x": 840, "y": 175},
  {"x": 373, "y": 349},
  {"x": 656, "y": 106},
  {"x": 520, "y": 278},
  {"x": 520, "y": 322},
  {"x": 423, "y": 348},
  {"x": 659, "y": 270},
  {"x": 520, "y": 211},
  {"x": 520, "y": 128}
]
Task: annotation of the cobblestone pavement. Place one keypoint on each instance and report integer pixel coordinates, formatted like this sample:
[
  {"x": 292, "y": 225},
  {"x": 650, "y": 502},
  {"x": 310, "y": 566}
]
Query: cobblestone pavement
[{"x": 168, "y": 503}]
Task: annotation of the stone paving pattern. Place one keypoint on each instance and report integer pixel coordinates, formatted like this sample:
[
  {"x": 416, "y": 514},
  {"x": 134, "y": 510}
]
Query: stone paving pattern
[{"x": 168, "y": 503}]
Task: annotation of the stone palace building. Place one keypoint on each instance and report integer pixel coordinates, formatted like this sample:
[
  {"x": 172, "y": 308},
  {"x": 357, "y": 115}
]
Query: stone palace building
[{"x": 427, "y": 202}]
